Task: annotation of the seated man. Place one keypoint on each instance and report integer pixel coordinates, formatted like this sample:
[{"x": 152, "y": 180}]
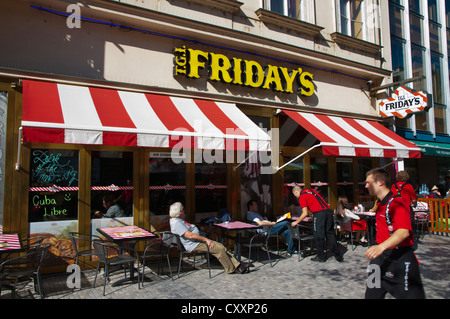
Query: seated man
[
  {"x": 276, "y": 229},
  {"x": 192, "y": 241}
]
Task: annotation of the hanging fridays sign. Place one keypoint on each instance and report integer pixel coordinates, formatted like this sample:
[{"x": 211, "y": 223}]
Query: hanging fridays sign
[
  {"x": 189, "y": 62},
  {"x": 403, "y": 103}
]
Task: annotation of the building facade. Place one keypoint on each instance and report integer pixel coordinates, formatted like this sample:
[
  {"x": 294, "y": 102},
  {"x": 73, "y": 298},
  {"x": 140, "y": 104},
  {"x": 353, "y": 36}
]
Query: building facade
[
  {"x": 211, "y": 103},
  {"x": 420, "y": 35}
]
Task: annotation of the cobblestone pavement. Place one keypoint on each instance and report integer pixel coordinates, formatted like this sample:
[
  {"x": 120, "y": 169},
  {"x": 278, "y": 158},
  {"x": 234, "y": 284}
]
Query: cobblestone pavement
[{"x": 287, "y": 279}]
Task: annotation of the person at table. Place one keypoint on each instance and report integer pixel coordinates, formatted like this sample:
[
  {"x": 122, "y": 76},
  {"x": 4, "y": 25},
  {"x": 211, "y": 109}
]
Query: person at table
[
  {"x": 435, "y": 193},
  {"x": 343, "y": 214},
  {"x": 323, "y": 221},
  {"x": 279, "y": 228},
  {"x": 112, "y": 210},
  {"x": 393, "y": 254},
  {"x": 192, "y": 241}
]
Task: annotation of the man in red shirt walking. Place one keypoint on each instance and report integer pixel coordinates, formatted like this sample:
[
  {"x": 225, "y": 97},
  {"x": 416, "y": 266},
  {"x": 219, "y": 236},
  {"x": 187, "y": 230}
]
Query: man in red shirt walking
[
  {"x": 398, "y": 267},
  {"x": 323, "y": 222}
]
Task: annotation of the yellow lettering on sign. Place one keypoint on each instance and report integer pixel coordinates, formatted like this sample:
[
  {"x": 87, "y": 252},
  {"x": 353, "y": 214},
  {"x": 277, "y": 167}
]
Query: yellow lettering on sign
[
  {"x": 237, "y": 71},
  {"x": 250, "y": 73},
  {"x": 218, "y": 69},
  {"x": 194, "y": 62},
  {"x": 273, "y": 77},
  {"x": 254, "y": 74},
  {"x": 307, "y": 87},
  {"x": 289, "y": 78}
]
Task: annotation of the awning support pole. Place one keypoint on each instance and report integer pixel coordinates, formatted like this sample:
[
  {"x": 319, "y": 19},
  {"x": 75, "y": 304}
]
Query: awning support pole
[
  {"x": 292, "y": 160},
  {"x": 19, "y": 149}
]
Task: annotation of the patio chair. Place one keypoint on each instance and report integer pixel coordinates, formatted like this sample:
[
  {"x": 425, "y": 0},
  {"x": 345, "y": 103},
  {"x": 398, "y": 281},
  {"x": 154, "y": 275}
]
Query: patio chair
[
  {"x": 28, "y": 265},
  {"x": 83, "y": 240},
  {"x": 259, "y": 240},
  {"x": 158, "y": 248},
  {"x": 28, "y": 245},
  {"x": 297, "y": 233},
  {"x": 112, "y": 255},
  {"x": 183, "y": 252},
  {"x": 348, "y": 227}
]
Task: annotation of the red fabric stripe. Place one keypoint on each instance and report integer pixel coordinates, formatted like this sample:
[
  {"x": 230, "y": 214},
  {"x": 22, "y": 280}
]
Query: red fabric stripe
[
  {"x": 43, "y": 135},
  {"x": 330, "y": 150},
  {"x": 370, "y": 135},
  {"x": 393, "y": 135},
  {"x": 310, "y": 127},
  {"x": 110, "y": 108},
  {"x": 168, "y": 113},
  {"x": 362, "y": 152},
  {"x": 119, "y": 139},
  {"x": 41, "y": 102},
  {"x": 338, "y": 129},
  {"x": 218, "y": 118}
]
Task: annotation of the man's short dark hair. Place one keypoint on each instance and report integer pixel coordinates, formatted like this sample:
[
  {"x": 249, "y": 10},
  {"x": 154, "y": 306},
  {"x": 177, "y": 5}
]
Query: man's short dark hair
[
  {"x": 250, "y": 203},
  {"x": 380, "y": 174}
]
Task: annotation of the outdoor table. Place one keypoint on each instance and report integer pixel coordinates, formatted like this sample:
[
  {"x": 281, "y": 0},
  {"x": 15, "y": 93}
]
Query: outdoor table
[
  {"x": 370, "y": 218},
  {"x": 236, "y": 226},
  {"x": 123, "y": 236},
  {"x": 10, "y": 243}
]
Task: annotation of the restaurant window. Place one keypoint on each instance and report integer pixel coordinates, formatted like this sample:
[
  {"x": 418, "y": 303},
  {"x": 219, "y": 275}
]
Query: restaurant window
[
  {"x": 53, "y": 200},
  {"x": 167, "y": 183},
  {"x": 3, "y": 110},
  {"x": 344, "y": 167},
  {"x": 364, "y": 165},
  {"x": 439, "y": 119},
  {"x": 293, "y": 175},
  {"x": 297, "y": 9},
  {"x": 319, "y": 176},
  {"x": 210, "y": 186},
  {"x": 256, "y": 175},
  {"x": 111, "y": 188},
  {"x": 415, "y": 23}
]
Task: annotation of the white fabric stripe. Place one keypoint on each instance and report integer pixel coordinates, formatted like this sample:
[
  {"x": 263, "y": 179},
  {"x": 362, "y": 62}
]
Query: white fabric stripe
[
  {"x": 195, "y": 117},
  {"x": 394, "y": 143},
  {"x": 352, "y": 130},
  {"x": 77, "y": 107},
  {"x": 83, "y": 137},
  {"x": 141, "y": 113},
  {"x": 151, "y": 140},
  {"x": 339, "y": 140}
]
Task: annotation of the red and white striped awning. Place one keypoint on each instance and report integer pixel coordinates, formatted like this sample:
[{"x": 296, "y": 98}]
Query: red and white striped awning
[
  {"x": 60, "y": 113},
  {"x": 341, "y": 136}
]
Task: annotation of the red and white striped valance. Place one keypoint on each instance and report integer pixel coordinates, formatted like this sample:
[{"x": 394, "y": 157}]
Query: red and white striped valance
[
  {"x": 341, "y": 136},
  {"x": 60, "y": 113}
]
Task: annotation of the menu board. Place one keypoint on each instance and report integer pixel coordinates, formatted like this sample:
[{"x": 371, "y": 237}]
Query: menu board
[{"x": 53, "y": 193}]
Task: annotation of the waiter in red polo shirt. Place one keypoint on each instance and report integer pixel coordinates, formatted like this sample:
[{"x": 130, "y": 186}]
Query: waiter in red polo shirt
[
  {"x": 323, "y": 223},
  {"x": 399, "y": 272}
]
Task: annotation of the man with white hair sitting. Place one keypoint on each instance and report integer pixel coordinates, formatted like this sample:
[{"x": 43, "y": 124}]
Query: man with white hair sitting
[{"x": 192, "y": 241}]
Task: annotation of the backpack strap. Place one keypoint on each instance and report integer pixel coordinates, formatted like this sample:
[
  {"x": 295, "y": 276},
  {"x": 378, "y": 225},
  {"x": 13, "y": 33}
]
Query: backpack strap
[
  {"x": 388, "y": 217},
  {"x": 321, "y": 201}
]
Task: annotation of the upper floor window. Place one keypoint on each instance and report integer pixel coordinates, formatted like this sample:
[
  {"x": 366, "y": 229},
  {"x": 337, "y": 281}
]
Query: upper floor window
[
  {"x": 352, "y": 18},
  {"x": 297, "y": 9}
]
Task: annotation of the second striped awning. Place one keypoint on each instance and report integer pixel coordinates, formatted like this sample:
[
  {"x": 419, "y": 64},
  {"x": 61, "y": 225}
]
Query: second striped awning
[{"x": 341, "y": 136}]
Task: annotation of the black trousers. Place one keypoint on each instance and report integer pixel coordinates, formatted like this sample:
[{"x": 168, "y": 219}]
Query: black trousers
[
  {"x": 398, "y": 274},
  {"x": 323, "y": 229}
]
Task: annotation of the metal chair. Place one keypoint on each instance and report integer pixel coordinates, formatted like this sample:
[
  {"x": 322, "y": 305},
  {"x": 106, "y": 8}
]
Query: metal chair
[
  {"x": 80, "y": 240},
  {"x": 300, "y": 237},
  {"x": 118, "y": 258},
  {"x": 421, "y": 220},
  {"x": 183, "y": 251},
  {"x": 158, "y": 248},
  {"x": 259, "y": 240},
  {"x": 25, "y": 266},
  {"x": 28, "y": 245},
  {"x": 348, "y": 227}
]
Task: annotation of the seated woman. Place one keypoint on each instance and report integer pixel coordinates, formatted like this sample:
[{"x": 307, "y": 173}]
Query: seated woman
[
  {"x": 112, "y": 210},
  {"x": 344, "y": 215},
  {"x": 192, "y": 241}
]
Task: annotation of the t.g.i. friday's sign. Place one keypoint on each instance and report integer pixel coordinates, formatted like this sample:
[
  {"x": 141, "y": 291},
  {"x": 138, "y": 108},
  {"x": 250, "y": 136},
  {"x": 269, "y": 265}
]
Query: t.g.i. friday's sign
[{"x": 403, "y": 103}]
